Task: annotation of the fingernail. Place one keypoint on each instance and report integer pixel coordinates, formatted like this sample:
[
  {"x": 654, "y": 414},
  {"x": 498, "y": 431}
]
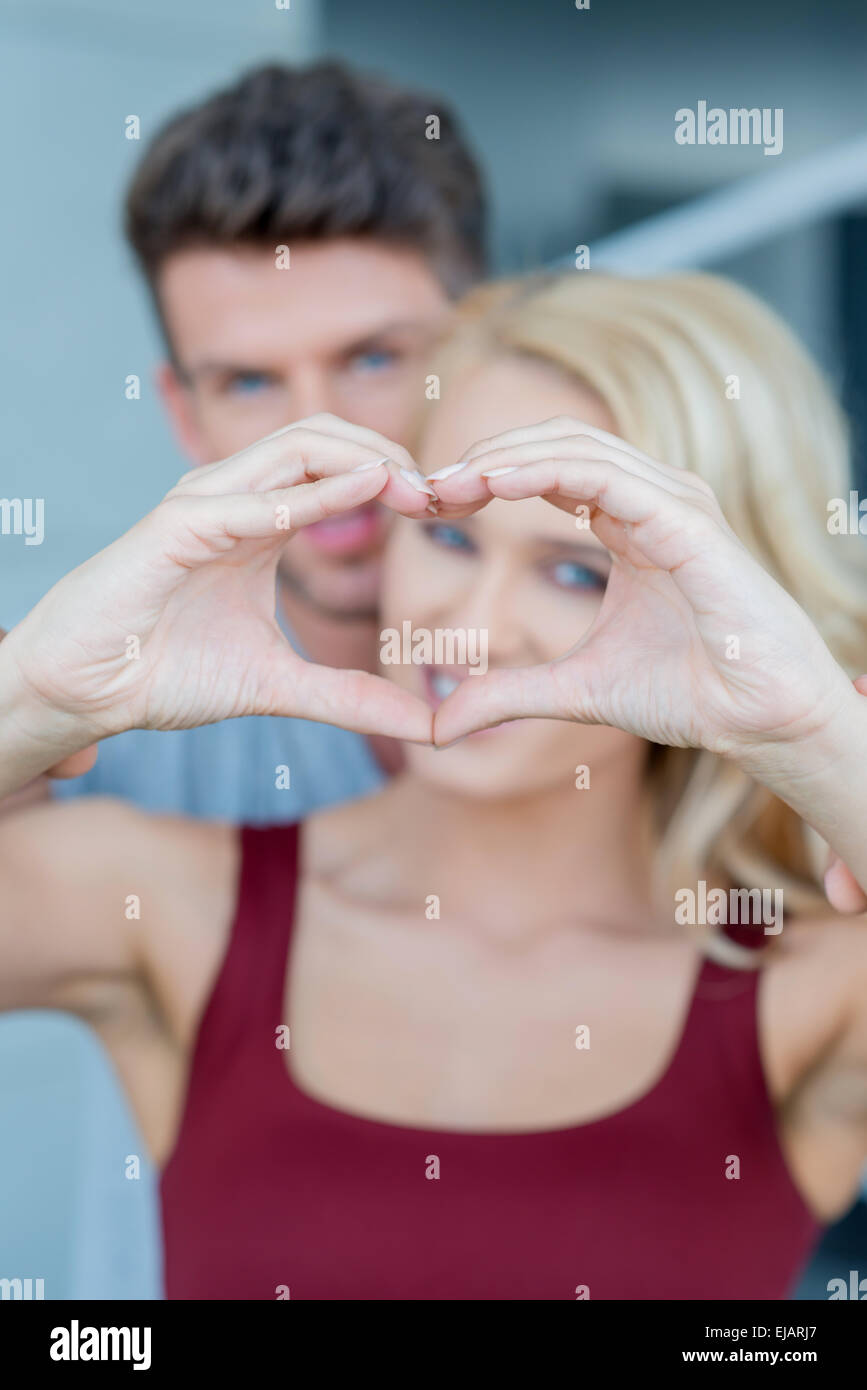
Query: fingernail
[
  {"x": 433, "y": 509},
  {"x": 498, "y": 472},
  {"x": 447, "y": 472},
  {"x": 416, "y": 480},
  {"x": 375, "y": 463}
]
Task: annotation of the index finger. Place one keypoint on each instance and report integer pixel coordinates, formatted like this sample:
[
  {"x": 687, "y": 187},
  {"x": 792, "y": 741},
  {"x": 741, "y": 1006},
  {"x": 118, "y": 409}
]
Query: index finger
[{"x": 564, "y": 426}]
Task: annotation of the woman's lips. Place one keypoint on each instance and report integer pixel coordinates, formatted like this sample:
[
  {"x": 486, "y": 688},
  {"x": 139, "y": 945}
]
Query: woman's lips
[{"x": 350, "y": 533}]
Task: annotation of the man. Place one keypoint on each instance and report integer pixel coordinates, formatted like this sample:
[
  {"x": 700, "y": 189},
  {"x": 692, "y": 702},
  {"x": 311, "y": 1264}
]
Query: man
[{"x": 303, "y": 239}]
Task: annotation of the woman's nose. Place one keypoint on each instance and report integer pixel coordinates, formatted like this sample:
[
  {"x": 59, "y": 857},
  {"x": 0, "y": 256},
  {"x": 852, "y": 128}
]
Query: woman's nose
[{"x": 490, "y": 607}]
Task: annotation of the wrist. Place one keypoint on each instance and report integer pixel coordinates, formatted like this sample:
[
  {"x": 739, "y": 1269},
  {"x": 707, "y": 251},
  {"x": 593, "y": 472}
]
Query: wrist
[
  {"x": 822, "y": 776},
  {"x": 34, "y": 736}
]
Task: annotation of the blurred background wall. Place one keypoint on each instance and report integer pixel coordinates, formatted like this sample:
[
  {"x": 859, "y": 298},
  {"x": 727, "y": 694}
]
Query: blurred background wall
[
  {"x": 76, "y": 325},
  {"x": 572, "y": 112}
]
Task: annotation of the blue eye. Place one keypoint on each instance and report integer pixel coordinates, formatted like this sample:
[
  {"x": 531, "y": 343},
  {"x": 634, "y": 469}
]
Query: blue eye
[
  {"x": 248, "y": 383},
  {"x": 373, "y": 361},
  {"x": 451, "y": 537},
  {"x": 568, "y": 574}
]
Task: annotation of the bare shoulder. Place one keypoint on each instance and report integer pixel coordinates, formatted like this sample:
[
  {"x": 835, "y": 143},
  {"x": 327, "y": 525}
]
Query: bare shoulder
[
  {"x": 175, "y": 883},
  {"x": 97, "y": 894},
  {"x": 104, "y": 839},
  {"x": 75, "y": 833},
  {"x": 186, "y": 896},
  {"x": 814, "y": 995},
  {"x": 830, "y": 949}
]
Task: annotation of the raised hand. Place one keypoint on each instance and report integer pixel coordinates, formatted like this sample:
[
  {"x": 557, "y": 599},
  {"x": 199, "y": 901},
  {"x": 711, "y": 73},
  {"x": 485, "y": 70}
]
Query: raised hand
[
  {"x": 694, "y": 645},
  {"x": 173, "y": 625},
  {"x": 841, "y": 886}
]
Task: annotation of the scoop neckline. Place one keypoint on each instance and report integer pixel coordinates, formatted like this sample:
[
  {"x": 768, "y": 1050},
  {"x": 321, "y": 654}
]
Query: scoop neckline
[{"x": 338, "y": 1115}]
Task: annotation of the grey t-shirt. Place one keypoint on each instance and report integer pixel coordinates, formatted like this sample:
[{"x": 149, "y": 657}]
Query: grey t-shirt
[{"x": 252, "y": 770}]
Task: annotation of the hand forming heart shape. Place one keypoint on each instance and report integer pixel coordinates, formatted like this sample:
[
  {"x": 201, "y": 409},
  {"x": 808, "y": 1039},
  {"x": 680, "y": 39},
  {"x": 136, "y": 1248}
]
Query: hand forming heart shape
[
  {"x": 173, "y": 625},
  {"x": 694, "y": 645}
]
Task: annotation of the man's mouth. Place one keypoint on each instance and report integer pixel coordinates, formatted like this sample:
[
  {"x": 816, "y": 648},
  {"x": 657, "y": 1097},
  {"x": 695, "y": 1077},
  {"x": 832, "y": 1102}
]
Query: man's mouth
[{"x": 351, "y": 533}]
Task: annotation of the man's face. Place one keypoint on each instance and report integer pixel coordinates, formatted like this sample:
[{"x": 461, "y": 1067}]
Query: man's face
[{"x": 348, "y": 328}]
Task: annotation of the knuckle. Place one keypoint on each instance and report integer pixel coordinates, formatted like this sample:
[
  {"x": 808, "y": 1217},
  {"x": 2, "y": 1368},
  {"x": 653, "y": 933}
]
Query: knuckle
[
  {"x": 321, "y": 417},
  {"x": 709, "y": 504},
  {"x": 303, "y": 435},
  {"x": 703, "y": 487},
  {"x": 399, "y": 454},
  {"x": 186, "y": 478},
  {"x": 483, "y": 445},
  {"x": 306, "y": 445},
  {"x": 175, "y": 507}
]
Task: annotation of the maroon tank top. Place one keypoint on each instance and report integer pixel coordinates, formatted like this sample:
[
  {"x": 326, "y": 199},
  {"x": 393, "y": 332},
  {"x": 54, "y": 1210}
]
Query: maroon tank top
[{"x": 269, "y": 1190}]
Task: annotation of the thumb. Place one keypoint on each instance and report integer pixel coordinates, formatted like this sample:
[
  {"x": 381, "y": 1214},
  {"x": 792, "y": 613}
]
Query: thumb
[
  {"x": 516, "y": 692},
  {"x": 354, "y": 700}
]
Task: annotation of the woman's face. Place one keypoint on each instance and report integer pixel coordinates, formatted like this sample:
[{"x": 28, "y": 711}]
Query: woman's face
[{"x": 520, "y": 575}]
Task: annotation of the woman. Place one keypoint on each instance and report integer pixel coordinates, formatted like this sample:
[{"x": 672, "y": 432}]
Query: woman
[{"x": 466, "y": 1038}]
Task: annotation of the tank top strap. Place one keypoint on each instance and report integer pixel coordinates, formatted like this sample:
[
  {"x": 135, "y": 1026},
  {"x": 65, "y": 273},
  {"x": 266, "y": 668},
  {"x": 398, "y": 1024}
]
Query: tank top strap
[
  {"x": 248, "y": 993},
  {"x": 723, "y": 1027}
]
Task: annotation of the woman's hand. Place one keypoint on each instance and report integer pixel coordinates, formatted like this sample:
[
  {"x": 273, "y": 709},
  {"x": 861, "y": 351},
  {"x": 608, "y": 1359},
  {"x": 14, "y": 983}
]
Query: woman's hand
[
  {"x": 38, "y": 790},
  {"x": 695, "y": 645},
  {"x": 841, "y": 886},
  {"x": 173, "y": 625}
]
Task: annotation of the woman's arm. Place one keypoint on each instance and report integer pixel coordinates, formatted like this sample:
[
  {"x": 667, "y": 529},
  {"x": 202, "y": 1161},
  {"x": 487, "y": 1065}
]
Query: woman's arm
[
  {"x": 172, "y": 626},
  {"x": 100, "y": 901},
  {"x": 66, "y": 927},
  {"x": 38, "y": 790},
  {"x": 841, "y": 887},
  {"x": 821, "y": 775}
]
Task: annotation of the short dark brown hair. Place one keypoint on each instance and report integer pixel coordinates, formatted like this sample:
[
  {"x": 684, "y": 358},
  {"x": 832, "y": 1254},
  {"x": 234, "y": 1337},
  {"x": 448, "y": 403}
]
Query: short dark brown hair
[{"x": 289, "y": 154}]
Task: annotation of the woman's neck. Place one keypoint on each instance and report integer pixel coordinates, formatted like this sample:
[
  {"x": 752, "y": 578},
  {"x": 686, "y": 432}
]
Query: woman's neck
[{"x": 531, "y": 859}]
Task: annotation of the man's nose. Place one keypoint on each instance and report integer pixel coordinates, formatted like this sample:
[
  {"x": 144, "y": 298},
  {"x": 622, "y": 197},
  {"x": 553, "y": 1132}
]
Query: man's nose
[{"x": 311, "y": 394}]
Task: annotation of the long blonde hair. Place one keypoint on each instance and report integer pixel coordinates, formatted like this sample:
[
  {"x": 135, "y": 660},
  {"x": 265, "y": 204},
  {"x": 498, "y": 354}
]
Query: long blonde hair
[{"x": 697, "y": 372}]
